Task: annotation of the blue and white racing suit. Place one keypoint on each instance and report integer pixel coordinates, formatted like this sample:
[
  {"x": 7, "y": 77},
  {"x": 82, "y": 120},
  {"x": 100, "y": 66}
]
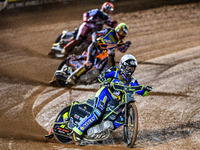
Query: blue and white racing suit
[{"x": 107, "y": 98}]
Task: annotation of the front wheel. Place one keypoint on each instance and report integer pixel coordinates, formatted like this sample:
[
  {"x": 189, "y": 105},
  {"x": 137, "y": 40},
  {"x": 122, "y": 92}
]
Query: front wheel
[
  {"x": 61, "y": 79},
  {"x": 131, "y": 128}
]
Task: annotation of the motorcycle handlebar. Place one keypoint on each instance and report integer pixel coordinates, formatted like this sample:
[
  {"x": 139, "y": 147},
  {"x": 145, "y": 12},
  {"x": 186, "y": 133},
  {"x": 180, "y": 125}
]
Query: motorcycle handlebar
[
  {"x": 123, "y": 88},
  {"x": 127, "y": 88},
  {"x": 110, "y": 46}
]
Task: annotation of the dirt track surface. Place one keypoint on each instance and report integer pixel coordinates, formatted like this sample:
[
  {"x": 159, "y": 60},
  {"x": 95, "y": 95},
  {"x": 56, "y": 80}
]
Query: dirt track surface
[{"x": 165, "y": 41}]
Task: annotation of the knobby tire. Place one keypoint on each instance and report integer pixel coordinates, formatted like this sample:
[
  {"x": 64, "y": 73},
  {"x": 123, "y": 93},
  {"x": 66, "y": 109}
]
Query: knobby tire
[{"x": 131, "y": 130}]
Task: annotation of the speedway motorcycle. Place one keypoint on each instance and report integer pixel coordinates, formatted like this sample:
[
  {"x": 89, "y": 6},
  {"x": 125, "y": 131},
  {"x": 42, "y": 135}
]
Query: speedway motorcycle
[
  {"x": 67, "y": 36},
  {"x": 71, "y": 116},
  {"x": 63, "y": 39},
  {"x": 102, "y": 62}
]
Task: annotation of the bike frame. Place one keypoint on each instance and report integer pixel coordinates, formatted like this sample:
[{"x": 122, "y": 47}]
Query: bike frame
[{"x": 128, "y": 91}]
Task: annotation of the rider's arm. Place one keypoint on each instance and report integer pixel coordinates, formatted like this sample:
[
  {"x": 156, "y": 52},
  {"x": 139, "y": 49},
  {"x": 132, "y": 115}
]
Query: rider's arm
[
  {"x": 85, "y": 16},
  {"x": 89, "y": 16},
  {"x": 108, "y": 75},
  {"x": 111, "y": 23},
  {"x": 96, "y": 36},
  {"x": 143, "y": 92},
  {"x": 124, "y": 46}
]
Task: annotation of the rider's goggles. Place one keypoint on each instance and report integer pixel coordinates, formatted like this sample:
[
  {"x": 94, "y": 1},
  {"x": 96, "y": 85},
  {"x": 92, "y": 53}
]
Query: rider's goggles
[
  {"x": 130, "y": 69},
  {"x": 122, "y": 33},
  {"x": 108, "y": 8}
]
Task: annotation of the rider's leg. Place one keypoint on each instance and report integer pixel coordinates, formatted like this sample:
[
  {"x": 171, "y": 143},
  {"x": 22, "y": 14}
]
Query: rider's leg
[
  {"x": 78, "y": 72},
  {"x": 119, "y": 121},
  {"x": 67, "y": 48},
  {"x": 102, "y": 97},
  {"x": 111, "y": 61},
  {"x": 84, "y": 68},
  {"x": 81, "y": 36}
]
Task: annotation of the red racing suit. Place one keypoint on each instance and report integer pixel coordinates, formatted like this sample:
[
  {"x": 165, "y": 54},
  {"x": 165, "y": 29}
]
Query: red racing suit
[{"x": 93, "y": 21}]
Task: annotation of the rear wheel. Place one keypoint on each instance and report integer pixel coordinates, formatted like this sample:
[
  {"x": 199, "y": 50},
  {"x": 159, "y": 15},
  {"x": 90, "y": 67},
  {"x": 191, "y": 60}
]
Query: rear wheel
[
  {"x": 131, "y": 129},
  {"x": 60, "y": 119},
  {"x": 56, "y": 50},
  {"x": 58, "y": 38}
]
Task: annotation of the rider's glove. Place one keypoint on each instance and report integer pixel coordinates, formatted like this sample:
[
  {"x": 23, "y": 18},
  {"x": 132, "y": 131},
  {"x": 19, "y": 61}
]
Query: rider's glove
[
  {"x": 101, "y": 78},
  {"x": 148, "y": 88},
  {"x": 111, "y": 52},
  {"x": 114, "y": 24},
  {"x": 109, "y": 85},
  {"x": 123, "y": 48},
  {"x": 106, "y": 84},
  {"x": 128, "y": 43}
]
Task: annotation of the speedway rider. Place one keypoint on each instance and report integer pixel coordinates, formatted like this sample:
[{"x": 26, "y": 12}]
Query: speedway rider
[
  {"x": 93, "y": 20},
  {"x": 100, "y": 41},
  {"x": 106, "y": 97}
]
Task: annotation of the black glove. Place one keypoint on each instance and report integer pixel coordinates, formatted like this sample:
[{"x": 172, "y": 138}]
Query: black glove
[
  {"x": 128, "y": 43},
  {"x": 148, "y": 88},
  {"x": 114, "y": 24}
]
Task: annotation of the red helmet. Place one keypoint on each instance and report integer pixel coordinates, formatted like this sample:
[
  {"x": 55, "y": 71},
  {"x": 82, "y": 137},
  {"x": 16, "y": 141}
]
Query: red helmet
[{"x": 107, "y": 7}]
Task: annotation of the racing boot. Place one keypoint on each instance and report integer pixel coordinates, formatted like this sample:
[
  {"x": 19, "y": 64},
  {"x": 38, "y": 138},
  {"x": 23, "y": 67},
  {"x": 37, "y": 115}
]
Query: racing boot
[
  {"x": 71, "y": 80},
  {"x": 59, "y": 74},
  {"x": 76, "y": 138},
  {"x": 76, "y": 74}
]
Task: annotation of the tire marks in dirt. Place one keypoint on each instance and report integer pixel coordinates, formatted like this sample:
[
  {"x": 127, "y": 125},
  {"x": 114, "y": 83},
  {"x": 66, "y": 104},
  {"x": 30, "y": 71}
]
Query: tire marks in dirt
[{"x": 24, "y": 126}]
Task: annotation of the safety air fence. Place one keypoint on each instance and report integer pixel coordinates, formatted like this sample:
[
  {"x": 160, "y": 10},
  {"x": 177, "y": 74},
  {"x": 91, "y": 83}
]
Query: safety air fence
[{"x": 9, "y": 4}]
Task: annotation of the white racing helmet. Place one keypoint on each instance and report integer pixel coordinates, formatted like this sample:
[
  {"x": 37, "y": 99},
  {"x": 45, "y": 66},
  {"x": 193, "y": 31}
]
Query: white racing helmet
[{"x": 127, "y": 65}]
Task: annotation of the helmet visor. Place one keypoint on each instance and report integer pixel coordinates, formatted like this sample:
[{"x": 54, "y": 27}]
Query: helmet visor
[
  {"x": 109, "y": 8},
  {"x": 122, "y": 33},
  {"x": 108, "y": 11},
  {"x": 130, "y": 69}
]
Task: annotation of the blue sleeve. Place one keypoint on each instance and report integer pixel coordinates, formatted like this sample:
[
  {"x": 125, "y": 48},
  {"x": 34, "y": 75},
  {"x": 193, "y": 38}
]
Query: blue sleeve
[
  {"x": 110, "y": 73},
  {"x": 135, "y": 83}
]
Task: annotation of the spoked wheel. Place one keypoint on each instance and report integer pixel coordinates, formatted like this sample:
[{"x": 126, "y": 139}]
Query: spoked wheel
[
  {"x": 131, "y": 129},
  {"x": 58, "y": 38},
  {"x": 55, "y": 52},
  {"x": 63, "y": 138}
]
